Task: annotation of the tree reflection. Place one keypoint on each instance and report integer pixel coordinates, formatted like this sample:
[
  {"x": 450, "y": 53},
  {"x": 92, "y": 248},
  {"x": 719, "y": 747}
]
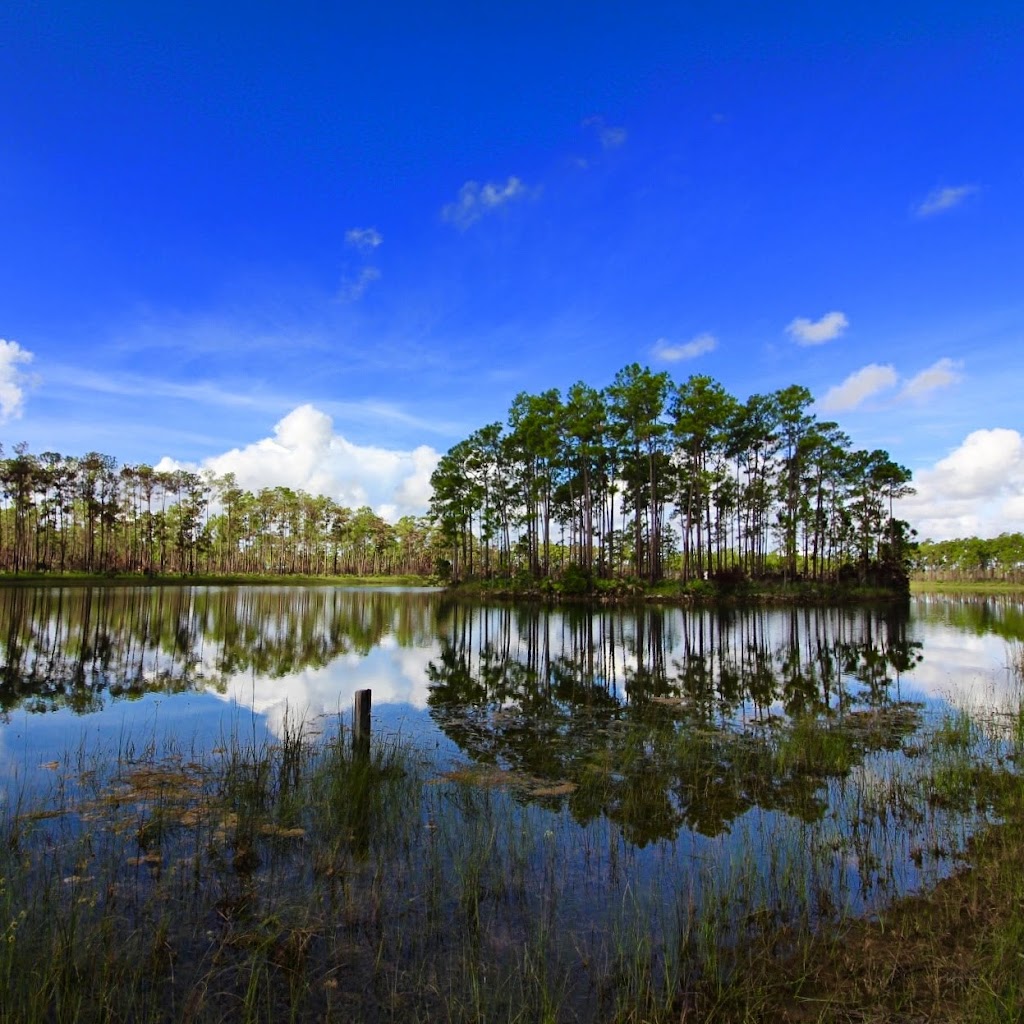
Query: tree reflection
[
  {"x": 77, "y": 647},
  {"x": 662, "y": 719},
  {"x": 656, "y": 718}
]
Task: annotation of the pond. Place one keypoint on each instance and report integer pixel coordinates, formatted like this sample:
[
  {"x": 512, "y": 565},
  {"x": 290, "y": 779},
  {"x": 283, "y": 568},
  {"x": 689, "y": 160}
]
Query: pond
[{"x": 568, "y": 785}]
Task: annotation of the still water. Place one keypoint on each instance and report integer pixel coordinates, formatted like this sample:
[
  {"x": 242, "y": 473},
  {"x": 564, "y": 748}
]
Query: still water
[{"x": 684, "y": 717}]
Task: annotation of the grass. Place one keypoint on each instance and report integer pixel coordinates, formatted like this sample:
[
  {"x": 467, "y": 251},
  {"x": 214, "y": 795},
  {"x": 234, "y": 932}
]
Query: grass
[
  {"x": 304, "y": 880},
  {"x": 699, "y": 593},
  {"x": 75, "y": 579},
  {"x": 918, "y": 586}
]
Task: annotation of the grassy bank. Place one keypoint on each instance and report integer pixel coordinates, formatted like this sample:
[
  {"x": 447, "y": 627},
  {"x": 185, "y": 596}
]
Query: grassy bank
[
  {"x": 952, "y": 587},
  {"x": 697, "y": 593},
  {"x": 952, "y": 955},
  {"x": 303, "y": 880},
  {"x": 207, "y": 579}
]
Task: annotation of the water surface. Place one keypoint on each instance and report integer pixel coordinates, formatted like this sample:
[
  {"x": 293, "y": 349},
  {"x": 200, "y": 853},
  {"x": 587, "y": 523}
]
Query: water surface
[{"x": 681, "y": 731}]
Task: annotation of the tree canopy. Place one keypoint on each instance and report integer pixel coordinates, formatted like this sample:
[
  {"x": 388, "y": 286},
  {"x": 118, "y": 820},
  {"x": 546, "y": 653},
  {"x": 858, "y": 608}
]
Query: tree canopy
[
  {"x": 650, "y": 478},
  {"x": 85, "y": 513}
]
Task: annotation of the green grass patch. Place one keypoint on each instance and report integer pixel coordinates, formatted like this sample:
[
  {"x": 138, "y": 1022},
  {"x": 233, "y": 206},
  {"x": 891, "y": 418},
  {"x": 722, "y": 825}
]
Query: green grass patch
[
  {"x": 918, "y": 586},
  {"x": 71, "y": 579}
]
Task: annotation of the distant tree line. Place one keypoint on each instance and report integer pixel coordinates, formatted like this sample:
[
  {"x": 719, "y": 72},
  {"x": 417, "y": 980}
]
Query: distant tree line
[
  {"x": 86, "y": 513},
  {"x": 972, "y": 559},
  {"x": 650, "y": 478}
]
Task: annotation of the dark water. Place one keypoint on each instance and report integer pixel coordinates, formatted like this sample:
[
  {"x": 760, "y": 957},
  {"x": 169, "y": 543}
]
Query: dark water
[{"x": 668, "y": 724}]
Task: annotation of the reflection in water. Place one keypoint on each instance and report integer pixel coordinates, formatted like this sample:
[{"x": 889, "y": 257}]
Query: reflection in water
[
  {"x": 970, "y": 642},
  {"x": 659, "y": 719},
  {"x": 76, "y": 647},
  {"x": 1001, "y": 615},
  {"x": 614, "y": 790},
  {"x": 664, "y": 719}
]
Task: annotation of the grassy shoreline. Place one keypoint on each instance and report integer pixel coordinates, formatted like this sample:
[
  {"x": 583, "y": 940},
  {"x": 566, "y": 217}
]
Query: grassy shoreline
[
  {"x": 695, "y": 593},
  {"x": 953, "y": 587},
  {"x": 36, "y": 579},
  {"x": 949, "y": 956},
  {"x": 301, "y": 879}
]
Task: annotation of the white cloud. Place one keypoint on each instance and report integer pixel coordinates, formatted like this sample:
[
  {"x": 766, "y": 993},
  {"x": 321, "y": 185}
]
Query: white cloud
[
  {"x": 363, "y": 239},
  {"x": 354, "y": 288},
  {"x": 703, "y": 343},
  {"x": 872, "y": 379},
  {"x": 939, "y": 375},
  {"x": 396, "y": 675},
  {"x": 976, "y": 490},
  {"x": 817, "y": 332},
  {"x": 12, "y": 393},
  {"x": 941, "y": 199},
  {"x": 859, "y": 386},
  {"x": 475, "y": 200},
  {"x": 306, "y": 453},
  {"x": 610, "y": 136}
]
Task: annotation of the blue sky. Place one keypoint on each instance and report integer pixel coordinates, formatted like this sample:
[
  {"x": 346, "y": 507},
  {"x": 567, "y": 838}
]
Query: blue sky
[{"x": 317, "y": 243}]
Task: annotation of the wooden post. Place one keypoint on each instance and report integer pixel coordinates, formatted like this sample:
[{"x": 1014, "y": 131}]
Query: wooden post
[{"x": 361, "y": 720}]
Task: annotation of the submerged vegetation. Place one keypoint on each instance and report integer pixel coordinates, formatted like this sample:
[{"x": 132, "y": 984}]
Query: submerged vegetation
[
  {"x": 306, "y": 880},
  {"x": 626, "y": 815}
]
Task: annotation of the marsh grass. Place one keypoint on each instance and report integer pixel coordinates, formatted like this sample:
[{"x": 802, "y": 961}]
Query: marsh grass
[{"x": 299, "y": 879}]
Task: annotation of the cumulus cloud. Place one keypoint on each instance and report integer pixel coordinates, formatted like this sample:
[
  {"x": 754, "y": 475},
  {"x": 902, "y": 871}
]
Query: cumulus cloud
[
  {"x": 939, "y": 375},
  {"x": 305, "y": 453},
  {"x": 976, "y": 490},
  {"x": 817, "y": 332},
  {"x": 353, "y": 286},
  {"x": 610, "y": 136},
  {"x": 12, "y": 394},
  {"x": 475, "y": 200},
  {"x": 859, "y": 386},
  {"x": 941, "y": 199},
  {"x": 363, "y": 239},
  {"x": 700, "y": 345}
]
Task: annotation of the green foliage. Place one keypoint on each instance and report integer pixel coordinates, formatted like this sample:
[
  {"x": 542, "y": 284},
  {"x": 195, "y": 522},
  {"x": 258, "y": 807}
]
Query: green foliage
[
  {"x": 64, "y": 514},
  {"x": 576, "y": 580},
  {"x": 648, "y": 478},
  {"x": 971, "y": 559}
]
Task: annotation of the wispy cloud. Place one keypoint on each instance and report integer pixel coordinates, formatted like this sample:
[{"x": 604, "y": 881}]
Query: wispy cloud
[
  {"x": 69, "y": 379},
  {"x": 213, "y": 335},
  {"x": 817, "y": 332},
  {"x": 940, "y": 374},
  {"x": 698, "y": 346},
  {"x": 363, "y": 239},
  {"x": 12, "y": 380},
  {"x": 73, "y": 378},
  {"x": 859, "y": 386},
  {"x": 941, "y": 199},
  {"x": 475, "y": 200},
  {"x": 610, "y": 136},
  {"x": 353, "y": 286},
  {"x": 873, "y": 379},
  {"x": 386, "y": 412}
]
